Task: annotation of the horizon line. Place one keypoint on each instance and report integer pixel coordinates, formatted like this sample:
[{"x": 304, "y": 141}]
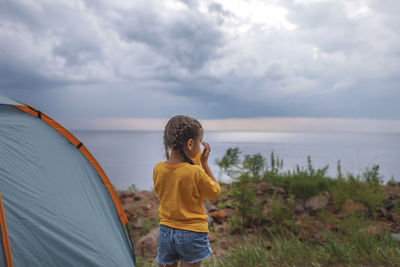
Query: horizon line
[{"x": 261, "y": 124}]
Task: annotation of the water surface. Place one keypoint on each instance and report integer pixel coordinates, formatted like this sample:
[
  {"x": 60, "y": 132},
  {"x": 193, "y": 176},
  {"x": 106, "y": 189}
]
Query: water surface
[{"x": 128, "y": 157}]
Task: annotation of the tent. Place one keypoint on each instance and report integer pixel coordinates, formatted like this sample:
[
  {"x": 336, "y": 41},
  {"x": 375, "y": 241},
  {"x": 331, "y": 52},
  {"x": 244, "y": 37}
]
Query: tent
[{"x": 57, "y": 206}]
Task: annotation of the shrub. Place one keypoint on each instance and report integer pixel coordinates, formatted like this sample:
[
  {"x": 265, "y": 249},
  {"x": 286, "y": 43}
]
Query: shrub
[
  {"x": 367, "y": 190},
  {"x": 244, "y": 196},
  {"x": 303, "y": 182},
  {"x": 254, "y": 165},
  {"x": 133, "y": 188},
  {"x": 281, "y": 215},
  {"x": 230, "y": 161}
]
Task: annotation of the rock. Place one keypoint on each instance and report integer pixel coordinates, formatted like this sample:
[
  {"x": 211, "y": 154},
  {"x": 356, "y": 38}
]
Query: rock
[
  {"x": 372, "y": 229},
  {"x": 221, "y": 228},
  {"x": 211, "y": 237},
  {"x": 228, "y": 206},
  {"x": 316, "y": 203},
  {"x": 151, "y": 213},
  {"x": 383, "y": 212},
  {"x": 124, "y": 194},
  {"x": 138, "y": 223},
  {"x": 130, "y": 213},
  {"x": 237, "y": 231},
  {"x": 349, "y": 207},
  {"x": 332, "y": 208},
  {"x": 147, "y": 245},
  {"x": 299, "y": 207},
  {"x": 389, "y": 204},
  {"x": 249, "y": 230},
  {"x": 220, "y": 215},
  {"x": 229, "y": 212},
  {"x": 254, "y": 237},
  {"x": 137, "y": 197},
  {"x": 280, "y": 191},
  {"x": 330, "y": 226},
  {"x": 276, "y": 190},
  {"x": 267, "y": 245},
  {"x": 327, "y": 194},
  {"x": 377, "y": 229},
  {"x": 210, "y": 207},
  {"x": 395, "y": 217},
  {"x": 396, "y": 237},
  {"x": 263, "y": 187},
  {"x": 259, "y": 194},
  {"x": 148, "y": 206},
  {"x": 310, "y": 230},
  {"x": 126, "y": 200}
]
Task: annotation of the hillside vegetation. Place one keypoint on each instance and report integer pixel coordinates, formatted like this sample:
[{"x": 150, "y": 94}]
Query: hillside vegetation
[{"x": 270, "y": 217}]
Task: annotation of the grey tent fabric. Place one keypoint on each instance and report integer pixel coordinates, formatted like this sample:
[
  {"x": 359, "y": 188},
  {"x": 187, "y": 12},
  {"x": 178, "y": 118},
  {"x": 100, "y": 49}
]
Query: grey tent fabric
[
  {"x": 7, "y": 101},
  {"x": 57, "y": 209}
]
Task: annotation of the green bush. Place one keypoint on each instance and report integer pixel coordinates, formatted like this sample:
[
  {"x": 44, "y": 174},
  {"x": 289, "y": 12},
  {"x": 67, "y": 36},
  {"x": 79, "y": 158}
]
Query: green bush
[
  {"x": 281, "y": 215},
  {"x": 244, "y": 196},
  {"x": 302, "y": 182},
  {"x": 230, "y": 161},
  {"x": 254, "y": 165},
  {"x": 366, "y": 189},
  {"x": 133, "y": 188}
]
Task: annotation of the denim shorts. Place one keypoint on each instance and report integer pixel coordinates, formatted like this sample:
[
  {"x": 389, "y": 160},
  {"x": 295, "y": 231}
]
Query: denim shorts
[{"x": 176, "y": 244}]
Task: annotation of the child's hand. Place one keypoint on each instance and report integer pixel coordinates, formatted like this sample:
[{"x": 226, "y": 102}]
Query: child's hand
[{"x": 205, "y": 153}]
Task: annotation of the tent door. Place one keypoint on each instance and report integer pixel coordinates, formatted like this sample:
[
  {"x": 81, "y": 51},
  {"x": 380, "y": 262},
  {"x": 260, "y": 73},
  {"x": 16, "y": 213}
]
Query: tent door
[{"x": 4, "y": 236}]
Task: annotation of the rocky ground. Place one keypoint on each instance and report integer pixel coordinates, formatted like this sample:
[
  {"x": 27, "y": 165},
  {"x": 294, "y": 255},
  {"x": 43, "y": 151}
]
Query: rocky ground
[{"x": 309, "y": 216}]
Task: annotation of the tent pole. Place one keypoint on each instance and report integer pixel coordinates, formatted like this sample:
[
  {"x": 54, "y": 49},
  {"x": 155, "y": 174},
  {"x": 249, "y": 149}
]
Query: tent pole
[{"x": 4, "y": 233}]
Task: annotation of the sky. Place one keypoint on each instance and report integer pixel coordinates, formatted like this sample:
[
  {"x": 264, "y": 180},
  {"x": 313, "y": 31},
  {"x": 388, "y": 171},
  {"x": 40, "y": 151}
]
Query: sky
[{"x": 96, "y": 63}]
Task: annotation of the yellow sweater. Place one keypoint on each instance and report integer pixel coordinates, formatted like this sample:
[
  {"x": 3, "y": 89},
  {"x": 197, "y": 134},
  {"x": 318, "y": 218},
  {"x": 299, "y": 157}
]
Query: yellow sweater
[{"x": 181, "y": 190}]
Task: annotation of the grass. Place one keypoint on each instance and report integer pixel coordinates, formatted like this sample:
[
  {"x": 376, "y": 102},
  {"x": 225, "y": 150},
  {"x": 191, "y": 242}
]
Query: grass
[
  {"x": 145, "y": 262},
  {"x": 350, "y": 245},
  {"x": 357, "y": 249}
]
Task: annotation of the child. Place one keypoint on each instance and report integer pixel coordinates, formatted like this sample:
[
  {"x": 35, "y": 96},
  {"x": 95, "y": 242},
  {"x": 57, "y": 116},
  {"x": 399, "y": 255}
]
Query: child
[{"x": 181, "y": 187}]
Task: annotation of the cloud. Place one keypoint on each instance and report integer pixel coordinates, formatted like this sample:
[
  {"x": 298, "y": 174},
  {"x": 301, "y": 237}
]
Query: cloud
[
  {"x": 41, "y": 51},
  {"x": 208, "y": 58},
  {"x": 190, "y": 3},
  {"x": 187, "y": 39}
]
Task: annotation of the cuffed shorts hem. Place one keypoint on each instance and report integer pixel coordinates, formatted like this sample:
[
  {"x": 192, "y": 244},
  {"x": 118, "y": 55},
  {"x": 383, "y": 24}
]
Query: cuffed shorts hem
[{"x": 201, "y": 257}]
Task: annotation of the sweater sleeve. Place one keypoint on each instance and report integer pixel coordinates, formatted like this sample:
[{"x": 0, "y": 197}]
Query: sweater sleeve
[{"x": 207, "y": 186}]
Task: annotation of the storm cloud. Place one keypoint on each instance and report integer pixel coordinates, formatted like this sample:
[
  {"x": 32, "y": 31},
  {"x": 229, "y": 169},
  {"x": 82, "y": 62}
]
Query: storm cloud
[{"x": 210, "y": 59}]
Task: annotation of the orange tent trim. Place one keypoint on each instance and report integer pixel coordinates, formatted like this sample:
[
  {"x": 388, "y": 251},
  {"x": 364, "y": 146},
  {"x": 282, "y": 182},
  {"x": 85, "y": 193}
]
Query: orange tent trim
[
  {"x": 74, "y": 141},
  {"x": 4, "y": 233}
]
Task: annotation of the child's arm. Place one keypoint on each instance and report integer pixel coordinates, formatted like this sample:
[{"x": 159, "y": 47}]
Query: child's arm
[
  {"x": 209, "y": 172},
  {"x": 210, "y": 189},
  {"x": 204, "y": 160}
]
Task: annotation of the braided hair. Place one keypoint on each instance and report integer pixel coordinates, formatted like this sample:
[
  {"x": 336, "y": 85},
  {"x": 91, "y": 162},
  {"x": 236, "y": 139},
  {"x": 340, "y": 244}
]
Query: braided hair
[{"x": 178, "y": 131}]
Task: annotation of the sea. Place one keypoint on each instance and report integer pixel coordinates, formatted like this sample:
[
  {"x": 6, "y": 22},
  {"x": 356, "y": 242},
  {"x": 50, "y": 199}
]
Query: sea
[{"x": 128, "y": 157}]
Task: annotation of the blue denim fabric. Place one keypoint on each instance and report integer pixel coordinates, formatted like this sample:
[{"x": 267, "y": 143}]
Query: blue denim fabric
[{"x": 176, "y": 244}]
